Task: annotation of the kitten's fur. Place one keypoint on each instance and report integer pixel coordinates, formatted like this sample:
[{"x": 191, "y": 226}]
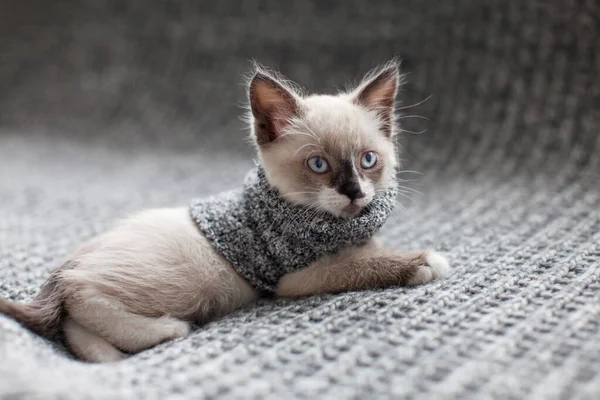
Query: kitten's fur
[{"x": 142, "y": 282}]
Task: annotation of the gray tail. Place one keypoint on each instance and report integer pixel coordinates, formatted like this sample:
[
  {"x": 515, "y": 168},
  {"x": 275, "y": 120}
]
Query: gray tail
[{"x": 43, "y": 315}]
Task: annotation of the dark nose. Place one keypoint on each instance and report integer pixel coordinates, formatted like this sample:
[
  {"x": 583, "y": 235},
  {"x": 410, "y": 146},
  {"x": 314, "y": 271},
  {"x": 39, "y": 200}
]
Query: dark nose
[{"x": 352, "y": 190}]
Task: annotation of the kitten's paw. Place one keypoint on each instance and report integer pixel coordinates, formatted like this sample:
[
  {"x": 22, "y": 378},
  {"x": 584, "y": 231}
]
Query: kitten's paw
[
  {"x": 439, "y": 264},
  {"x": 437, "y": 267},
  {"x": 176, "y": 329},
  {"x": 290, "y": 285}
]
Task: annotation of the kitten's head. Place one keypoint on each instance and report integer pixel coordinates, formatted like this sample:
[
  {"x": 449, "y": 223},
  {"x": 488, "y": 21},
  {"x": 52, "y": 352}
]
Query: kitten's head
[{"x": 331, "y": 153}]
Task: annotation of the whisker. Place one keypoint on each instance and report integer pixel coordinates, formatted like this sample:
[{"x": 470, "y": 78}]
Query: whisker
[
  {"x": 416, "y": 104},
  {"x": 407, "y": 180},
  {"x": 301, "y": 192},
  {"x": 294, "y": 131},
  {"x": 413, "y": 132},
  {"x": 413, "y": 116},
  {"x": 406, "y": 171},
  {"x": 313, "y": 132},
  {"x": 291, "y": 133},
  {"x": 409, "y": 189},
  {"x": 294, "y": 219},
  {"x": 301, "y": 147},
  {"x": 399, "y": 204},
  {"x": 292, "y": 194},
  {"x": 407, "y": 196}
]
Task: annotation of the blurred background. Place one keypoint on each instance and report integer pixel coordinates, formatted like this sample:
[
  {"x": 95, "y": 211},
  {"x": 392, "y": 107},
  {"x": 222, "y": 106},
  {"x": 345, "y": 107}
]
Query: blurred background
[
  {"x": 108, "y": 107},
  {"x": 510, "y": 74}
]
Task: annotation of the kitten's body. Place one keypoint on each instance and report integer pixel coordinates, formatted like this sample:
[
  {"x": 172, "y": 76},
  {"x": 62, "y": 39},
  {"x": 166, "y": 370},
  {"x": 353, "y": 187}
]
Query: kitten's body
[
  {"x": 144, "y": 281},
  {"x": 147, "y": 292}
]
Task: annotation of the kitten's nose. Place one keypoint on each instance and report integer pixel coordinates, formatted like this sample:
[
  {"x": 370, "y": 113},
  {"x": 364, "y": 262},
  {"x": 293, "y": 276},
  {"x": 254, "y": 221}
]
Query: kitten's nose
[{"x": 352, "y": 190}]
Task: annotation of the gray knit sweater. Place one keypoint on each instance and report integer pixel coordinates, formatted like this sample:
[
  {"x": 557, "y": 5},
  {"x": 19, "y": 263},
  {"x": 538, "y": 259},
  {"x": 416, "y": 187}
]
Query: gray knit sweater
[{"x": 265, "y": 237}]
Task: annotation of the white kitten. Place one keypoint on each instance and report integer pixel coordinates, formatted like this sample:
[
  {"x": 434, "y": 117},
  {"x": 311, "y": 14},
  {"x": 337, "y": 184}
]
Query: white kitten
[{"x": 142, "y": 282}]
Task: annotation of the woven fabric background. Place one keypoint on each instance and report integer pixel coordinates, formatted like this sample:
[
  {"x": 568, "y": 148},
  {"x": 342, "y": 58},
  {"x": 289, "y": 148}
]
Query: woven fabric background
[{"x": 107, "y": 107}]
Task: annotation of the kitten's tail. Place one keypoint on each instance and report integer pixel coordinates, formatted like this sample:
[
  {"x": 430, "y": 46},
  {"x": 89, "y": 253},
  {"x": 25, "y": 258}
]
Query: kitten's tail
[{"x": 43, "y": 315}]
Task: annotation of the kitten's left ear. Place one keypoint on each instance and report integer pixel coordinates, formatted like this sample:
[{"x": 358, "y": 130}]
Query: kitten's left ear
[{"x": 378, "y": 92}]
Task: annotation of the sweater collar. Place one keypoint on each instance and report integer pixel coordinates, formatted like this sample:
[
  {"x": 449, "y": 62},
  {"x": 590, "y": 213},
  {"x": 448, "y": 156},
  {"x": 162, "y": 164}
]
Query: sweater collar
[{"x": 264, "y": 200}]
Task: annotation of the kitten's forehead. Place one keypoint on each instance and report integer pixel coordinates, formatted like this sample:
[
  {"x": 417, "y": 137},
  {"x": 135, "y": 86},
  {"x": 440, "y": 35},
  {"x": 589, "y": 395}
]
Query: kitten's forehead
[
  {"x": 332, "y": 113},
  {"x": 338, "y": 122}
]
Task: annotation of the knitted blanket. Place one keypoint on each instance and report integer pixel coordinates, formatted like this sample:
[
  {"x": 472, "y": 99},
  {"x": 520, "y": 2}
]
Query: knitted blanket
[{"x": 108, "y": 107}]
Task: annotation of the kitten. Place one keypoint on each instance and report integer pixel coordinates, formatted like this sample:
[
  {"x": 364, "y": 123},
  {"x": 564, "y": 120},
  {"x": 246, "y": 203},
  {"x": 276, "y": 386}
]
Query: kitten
[{"x": 144, "y": 281}]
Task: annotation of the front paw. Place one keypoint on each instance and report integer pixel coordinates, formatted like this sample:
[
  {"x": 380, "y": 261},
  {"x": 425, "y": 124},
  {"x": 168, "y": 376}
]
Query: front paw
[
  {"x": 439, "y": 265},
  {"x": 436, "y": 267},
  {"x": 289, "y": 285}
]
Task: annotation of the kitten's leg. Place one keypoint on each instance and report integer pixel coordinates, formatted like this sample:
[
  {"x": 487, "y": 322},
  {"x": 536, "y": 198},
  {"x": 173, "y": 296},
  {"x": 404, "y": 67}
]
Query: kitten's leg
[
  {"x": 362, "y": 267},
  {"x": 89, "y": 346},
  {"x": 131, "y": 332}
]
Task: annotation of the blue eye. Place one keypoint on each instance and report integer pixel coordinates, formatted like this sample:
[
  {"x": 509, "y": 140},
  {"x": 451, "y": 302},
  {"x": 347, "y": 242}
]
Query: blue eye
[
  {"x": 318, "y": 165},
  {"x": 368, "y": 160}
]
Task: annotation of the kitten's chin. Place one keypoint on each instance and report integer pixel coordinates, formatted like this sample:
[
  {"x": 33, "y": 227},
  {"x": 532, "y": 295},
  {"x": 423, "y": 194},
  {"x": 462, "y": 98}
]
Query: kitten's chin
[{"x": 351, "y": 210}]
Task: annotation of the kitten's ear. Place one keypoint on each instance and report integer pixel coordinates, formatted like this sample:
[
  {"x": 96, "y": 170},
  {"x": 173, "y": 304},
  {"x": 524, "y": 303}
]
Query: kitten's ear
[
  {"x": 273, "y": 106},
  {"x": 377, "y": 92}
]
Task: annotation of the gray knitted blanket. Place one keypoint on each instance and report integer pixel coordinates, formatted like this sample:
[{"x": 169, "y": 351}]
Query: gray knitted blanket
[
  {"x": 108, "y": 107},
  {"x": 265, "y": 237}
]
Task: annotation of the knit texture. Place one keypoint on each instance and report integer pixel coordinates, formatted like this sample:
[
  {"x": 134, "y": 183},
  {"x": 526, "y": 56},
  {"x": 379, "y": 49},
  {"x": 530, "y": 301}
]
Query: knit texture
[
  {"x": 109, "y": 107},
  {"x": 265, "y": 237}
]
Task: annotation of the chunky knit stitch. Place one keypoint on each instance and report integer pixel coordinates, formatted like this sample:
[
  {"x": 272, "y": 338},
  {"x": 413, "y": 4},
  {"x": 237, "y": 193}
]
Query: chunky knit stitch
[{"x": 264, "y": 236}]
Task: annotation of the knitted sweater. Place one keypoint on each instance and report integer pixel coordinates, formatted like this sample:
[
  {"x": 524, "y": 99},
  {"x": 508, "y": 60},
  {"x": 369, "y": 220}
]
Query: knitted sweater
[{"x": 265, "y": 237}]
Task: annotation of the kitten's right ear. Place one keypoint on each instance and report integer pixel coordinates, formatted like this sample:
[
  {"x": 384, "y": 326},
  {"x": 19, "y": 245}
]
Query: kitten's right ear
[
  {"x": 273, "y": 106},
  {"x": 378, "y": 92}
]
